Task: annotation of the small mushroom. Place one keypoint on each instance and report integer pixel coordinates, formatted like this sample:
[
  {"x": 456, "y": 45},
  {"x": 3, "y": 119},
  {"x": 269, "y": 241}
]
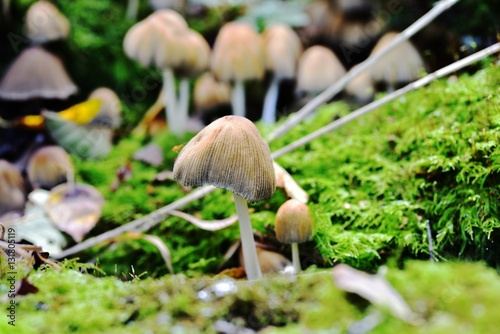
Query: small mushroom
[
  {"x": 318, "y": 69},
  {"x": 283, "y": 48},
  {"x": 209, "y": 93},
  {"x": 361, "y": 87},
  {"x": 110, "y": 112},
  {"x": 403, "y": 64},
  {"x": 269, "y": 261},
  {"x": 294, "y": 225},
  {"x": 238, "y": 56},
  {"x": 45, "y": 23},
  {"x": 12, "y": 196},
  {"x": 36, "y": 74},
  {"x": 49, "y": 166},
  {"x": 229, "y": 153}
]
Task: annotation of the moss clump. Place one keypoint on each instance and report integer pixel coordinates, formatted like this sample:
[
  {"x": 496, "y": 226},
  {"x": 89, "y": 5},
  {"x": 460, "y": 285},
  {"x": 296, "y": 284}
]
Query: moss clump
[{"x": 441, "y": 295}]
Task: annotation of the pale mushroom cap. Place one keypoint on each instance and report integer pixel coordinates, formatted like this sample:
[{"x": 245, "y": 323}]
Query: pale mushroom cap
[
  {"x": 49, "y": 166},
  {"x": 283, "y": 48},
  {"x": 209, "y": 92},
  {"x": 402, "y": 64},
  {"x": 11, "y": 188},
  {"x": 293, "y": 223},
  {"x": 197, "y": 56},
  {"x": 238, "y": 54},
  {"x": 229, "y": 153},
  {"x": 318, "y": 69},
  {"x": 44, "y": 22},
  {"x": 157, "y": 40},
  {"x": 36, "y": 74},
  {"x": 111, "y": 107},
  {"x": 361, "y": 86}
]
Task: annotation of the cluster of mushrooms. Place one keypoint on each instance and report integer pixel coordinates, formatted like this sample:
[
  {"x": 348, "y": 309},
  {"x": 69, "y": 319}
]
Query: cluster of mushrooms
[{"x": 228, "y": 153}]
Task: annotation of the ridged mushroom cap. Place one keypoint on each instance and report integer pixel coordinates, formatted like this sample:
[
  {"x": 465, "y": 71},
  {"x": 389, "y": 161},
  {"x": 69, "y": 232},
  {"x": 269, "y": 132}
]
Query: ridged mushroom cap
[
  {"x": 283, "y": 48},
  {"x": 229, "y": 153},
  {"x": 157, "y": 40},
  {"x": 110, "y": 113},
  {"x": 49, "y": 166},
  {"x": 44, "y": 22},
  {"x": 238, "y": 54},
  {"x": 318, "y": 69},
  {"x": 402, "y": 64},
  {"x": 36, "y": 74},
  {"x": 209, "y": 92},
  {"x": 11, "y": 188},
  {"x": 293, "y": 222}
]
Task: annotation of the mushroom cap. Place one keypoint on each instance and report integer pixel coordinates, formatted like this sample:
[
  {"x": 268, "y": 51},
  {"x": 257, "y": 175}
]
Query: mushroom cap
[
  {"x": 361, "y": 87},
  {"x": 197, "y": 55},
  {"x": 49, "y": 166},
  {"x": 109, "y": 114},
  {"x": 283, "y": 48},
  {"x": 11, "y": 188},
  {"x": 318, "y": 69},
  {"x": 401, "y": 64},
  {"x": 44, "y": 22},
  {"x": 209, "y": 92},
  {"x": 228, "y": 153},
  {"x": 293, "y": 222},
  {"x": 238, "y": 53},
  {"x": 36, "y": 74},
  {"x": 157, "y": 40}
]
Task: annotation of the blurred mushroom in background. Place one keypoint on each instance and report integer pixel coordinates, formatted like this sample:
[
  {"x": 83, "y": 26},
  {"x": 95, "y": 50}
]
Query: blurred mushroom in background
[
  {"x": 49, "y": 166},
  {"x": 12, "y": 191},
  {"x": 361, "y": 87},
  {"x": 45, "y": 23},
  {"x": 282, "y": 48},
  {"x": 209, "y": 96},
  {"x": 238, "y": 56}
]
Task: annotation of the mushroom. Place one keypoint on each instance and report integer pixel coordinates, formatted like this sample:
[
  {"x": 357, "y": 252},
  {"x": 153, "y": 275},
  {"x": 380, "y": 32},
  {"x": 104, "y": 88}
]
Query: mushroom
[
  {"x": 361, "y": 87},
  {"x": 238, "y": 56},
  {"x": 403, "y": 64},
  {"x": 283, "y": 48},
  {"x": 294, "y": 225},
  {"x": 269, "y": 261},
  {"x": 209, "y": 93},
  {"x": 158, "y": 41},
  {"x": 49, "y": 166},
  {"x": 109, "y": 113},
  {"x": 45, "y": 23},
  {"x": 318, "y": 69},
  {"x": 229, "y": 153},
  {"x": 36, "y": 74},
  {"x": 11, "y": 188}
]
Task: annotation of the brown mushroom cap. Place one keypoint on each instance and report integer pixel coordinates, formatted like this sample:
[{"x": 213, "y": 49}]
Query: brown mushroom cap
[
  {"x": 109, "y": 114},
  {"x": 44, "y": 22},
  {"x": 157, "y": 40},
  {"x": 283, "y": 48},
  {"x": 36, "y": 74},
  {"x": 402, "y": 64},
  {"x": 11, "y": 188},
  {"x": 49, "y": 166},
  {"x": 209, "y": 92},
  {"x": 293, "y": 222},
  {"x": 318, "y": 69},
  {"x": 229, "y": 153},
  {"x": 238, "y": 53},
  {"x": 197, "y": 55}
]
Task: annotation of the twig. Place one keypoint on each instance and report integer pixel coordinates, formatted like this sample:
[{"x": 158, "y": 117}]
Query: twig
[
  {"x": 138, "y": 225},
  {"x": 334, "y": 89},
  {"x": 394, "y": 95}
]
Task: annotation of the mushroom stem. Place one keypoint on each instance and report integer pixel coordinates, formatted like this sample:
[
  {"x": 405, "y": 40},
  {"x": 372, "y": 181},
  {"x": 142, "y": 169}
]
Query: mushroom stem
[
  {"x": 252, "y": 267},
  {"x": 238, "y": 98},
  {"x": 183, "y": 112},
  {"x": 132, "y": 8},
  {"x": 270, "y": 101},
  {"x": 295, "y": 257},
  {"x": 170, "y": 100}
]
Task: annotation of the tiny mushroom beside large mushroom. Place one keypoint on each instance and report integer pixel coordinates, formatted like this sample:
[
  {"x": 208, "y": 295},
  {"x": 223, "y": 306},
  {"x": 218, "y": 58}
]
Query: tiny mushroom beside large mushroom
[
  {"x": 12, "y": 196},
  {"x": 294, "y": 225},
  {"x": 238, "y": 56},
  {"x": 45, "y": 23},
  {"x": 50, "y": 166},
  {"x": 230, "y": 153},
  {"x": 282, "y": 48}
]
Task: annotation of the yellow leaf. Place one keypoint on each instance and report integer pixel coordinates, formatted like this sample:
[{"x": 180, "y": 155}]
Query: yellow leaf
[{"x": 82, "y": 113}]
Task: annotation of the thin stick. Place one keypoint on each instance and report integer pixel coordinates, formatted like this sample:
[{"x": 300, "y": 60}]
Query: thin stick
[
  {"x": 376, "y": 104},
  {"x": 429, "y": 237},
  {"x": 138, "y": 225},
  {"x": 334, "y": 89}
]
